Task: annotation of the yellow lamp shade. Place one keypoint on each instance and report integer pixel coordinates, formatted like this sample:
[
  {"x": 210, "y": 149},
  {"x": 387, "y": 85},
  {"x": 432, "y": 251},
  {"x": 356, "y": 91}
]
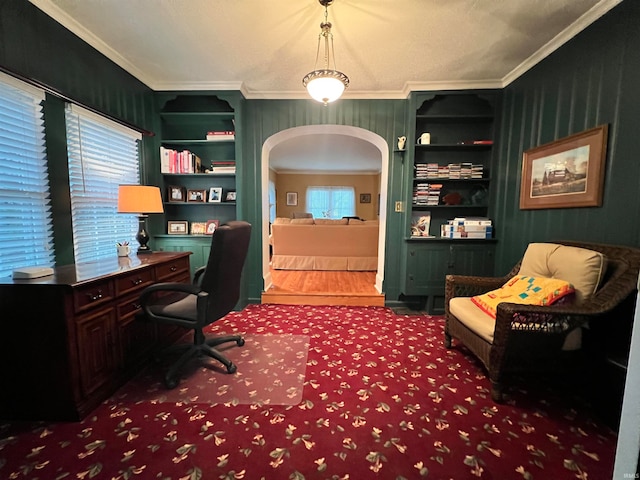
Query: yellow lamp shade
[{"x": 139, "y": 199}]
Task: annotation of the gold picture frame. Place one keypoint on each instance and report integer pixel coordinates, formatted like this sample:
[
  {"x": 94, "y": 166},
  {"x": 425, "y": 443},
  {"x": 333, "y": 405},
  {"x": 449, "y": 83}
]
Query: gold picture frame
[{"x": 566, "y": 173}]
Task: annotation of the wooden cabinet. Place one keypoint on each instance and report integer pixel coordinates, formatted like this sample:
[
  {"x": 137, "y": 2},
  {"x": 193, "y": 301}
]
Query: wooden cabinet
[
  {"x": 428, "y": 262},
  {"x": 74, "y": 338},
  {"x": 186, "y": 119}
]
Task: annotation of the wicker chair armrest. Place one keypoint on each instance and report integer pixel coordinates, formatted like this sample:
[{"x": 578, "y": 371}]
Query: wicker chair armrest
[
  {"x": 468, "y": 286},
  {"x": 551, "y": 320}
]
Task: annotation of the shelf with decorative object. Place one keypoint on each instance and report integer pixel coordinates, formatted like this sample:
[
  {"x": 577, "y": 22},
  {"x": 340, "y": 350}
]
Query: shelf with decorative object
[
  {"x": 199, "y": 149},
  {"x": 451, "y": 147}
]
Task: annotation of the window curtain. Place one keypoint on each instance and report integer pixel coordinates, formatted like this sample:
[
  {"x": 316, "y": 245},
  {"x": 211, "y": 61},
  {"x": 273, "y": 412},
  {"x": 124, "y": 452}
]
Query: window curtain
[
  {"x": 331, "y": 202},
  {"x": 102, "y": 155},
  {"x": 25, "y": 213}
]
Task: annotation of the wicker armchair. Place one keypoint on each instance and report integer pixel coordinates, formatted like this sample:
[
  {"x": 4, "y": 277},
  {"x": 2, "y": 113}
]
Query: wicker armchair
[{"x": 531, "y": 338}]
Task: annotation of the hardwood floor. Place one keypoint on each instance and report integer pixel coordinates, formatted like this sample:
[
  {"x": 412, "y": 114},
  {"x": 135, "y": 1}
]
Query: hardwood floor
[{"x": 313, "y": 287}]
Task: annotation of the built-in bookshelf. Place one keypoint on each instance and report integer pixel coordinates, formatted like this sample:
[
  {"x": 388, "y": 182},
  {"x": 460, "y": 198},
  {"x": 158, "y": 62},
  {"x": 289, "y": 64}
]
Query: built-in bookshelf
[
  {"x": 449, "y": 149},
  {"x": 197, "y": 154}
]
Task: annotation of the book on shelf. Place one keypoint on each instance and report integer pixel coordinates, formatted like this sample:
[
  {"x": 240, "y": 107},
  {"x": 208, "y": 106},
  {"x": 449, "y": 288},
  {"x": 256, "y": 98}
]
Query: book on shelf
[
  {"x": 222, "y": 166},
  {"x": 174, "y": 161},
  {"x": 420, "y": 224},
  {"x": 220, "y": 135}
]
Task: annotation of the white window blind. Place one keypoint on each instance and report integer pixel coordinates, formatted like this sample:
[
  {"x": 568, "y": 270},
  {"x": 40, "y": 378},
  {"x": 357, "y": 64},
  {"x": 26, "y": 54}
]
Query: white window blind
[
  {"x": 25, "y": 215},
  {"x": 102, "y": 155},
  {"x": 331, "y": 202}
]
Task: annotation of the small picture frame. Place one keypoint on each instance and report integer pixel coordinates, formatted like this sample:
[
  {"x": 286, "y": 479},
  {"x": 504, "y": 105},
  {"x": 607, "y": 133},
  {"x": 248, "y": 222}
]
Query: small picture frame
[
  {"x": 211, "y": 226},
  {"x": 365, "y": 198},
  {"x": 176, "y": 193},
  {"x": 292, "y": 199},
  {"x": 196, "y": 195},
  {"x": 215, "y": 195},
  {"x": 198, "y": 228},
  {"x": 230, "y": 196},
  {"x": 177, "y": 227}
]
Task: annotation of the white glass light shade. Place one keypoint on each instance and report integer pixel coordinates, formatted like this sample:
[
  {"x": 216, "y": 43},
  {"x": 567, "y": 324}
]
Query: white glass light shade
[{"x": 325, "y": 86}]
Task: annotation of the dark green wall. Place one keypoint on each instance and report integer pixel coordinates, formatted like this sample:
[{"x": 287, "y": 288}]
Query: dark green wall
[
  {"x": 263, "y": 118},
  {"x": 33, "y": 46},
  {"x": 594, "y": 79}
]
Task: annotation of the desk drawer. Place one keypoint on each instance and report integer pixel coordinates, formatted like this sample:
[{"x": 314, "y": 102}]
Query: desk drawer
[
  {"x": 170, "y": 269},
  {"x": 92, "y": 295},
  {"x": 133, "y": 281}
]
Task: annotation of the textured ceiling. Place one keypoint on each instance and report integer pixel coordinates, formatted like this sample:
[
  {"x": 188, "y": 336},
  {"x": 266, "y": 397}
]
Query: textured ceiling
[{"x": 386, "y": 47}]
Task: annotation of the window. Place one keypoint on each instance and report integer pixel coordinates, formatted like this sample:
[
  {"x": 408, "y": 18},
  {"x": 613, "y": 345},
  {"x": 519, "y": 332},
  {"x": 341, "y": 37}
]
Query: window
[
  {"x": 331, "y": 202},
  {"x": 102, "y": 155},
  {"x": 25, "y": 216}
]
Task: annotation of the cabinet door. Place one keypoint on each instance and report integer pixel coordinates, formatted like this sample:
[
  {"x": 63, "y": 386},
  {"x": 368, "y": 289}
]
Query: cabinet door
[
  {"x": 472, "y": 259},
  {"x": 427, "y": 265},
  {"x": 96, "y": 349},
  {"x": 136, "y": 338}
]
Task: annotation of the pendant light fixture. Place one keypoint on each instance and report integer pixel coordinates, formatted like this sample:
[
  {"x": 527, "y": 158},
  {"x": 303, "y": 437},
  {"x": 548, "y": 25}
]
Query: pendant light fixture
[{"x": 325, "y": 85}]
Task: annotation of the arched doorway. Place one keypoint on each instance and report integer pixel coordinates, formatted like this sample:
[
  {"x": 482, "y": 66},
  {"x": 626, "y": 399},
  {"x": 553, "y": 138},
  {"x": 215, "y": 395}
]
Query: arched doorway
[{"x": 361, "y": 134}]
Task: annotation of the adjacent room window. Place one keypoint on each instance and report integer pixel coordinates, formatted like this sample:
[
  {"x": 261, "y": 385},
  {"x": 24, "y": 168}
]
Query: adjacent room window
[
  {"x": 331, "y": 202},
  {"x": 102, "y": 155},
  {"x": 25, "y": 218}
]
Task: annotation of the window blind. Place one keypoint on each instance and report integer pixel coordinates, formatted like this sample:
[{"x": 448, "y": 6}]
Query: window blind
[
  {"x": 331, "y": 202},
  {"x": 25, "y": 213},
  {"x": 102, "y": 155}
]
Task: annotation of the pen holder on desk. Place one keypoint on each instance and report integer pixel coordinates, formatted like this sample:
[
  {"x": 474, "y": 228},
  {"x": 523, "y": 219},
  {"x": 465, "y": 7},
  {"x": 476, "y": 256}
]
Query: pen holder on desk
[{"x": 123, "y": 250}]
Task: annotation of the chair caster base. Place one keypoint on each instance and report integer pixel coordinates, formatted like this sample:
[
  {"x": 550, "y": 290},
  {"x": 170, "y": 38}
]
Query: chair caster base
[
  {"x": 171, "y": 383},
  {"x": 232, "y": 368}
]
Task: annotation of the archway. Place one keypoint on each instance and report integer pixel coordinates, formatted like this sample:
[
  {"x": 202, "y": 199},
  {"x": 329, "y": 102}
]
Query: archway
[{"x": 376, "y": 140}]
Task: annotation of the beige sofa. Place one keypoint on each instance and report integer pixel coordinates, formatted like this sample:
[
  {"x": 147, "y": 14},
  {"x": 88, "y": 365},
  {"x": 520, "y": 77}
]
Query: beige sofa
[{"x": 323, "y": 244}]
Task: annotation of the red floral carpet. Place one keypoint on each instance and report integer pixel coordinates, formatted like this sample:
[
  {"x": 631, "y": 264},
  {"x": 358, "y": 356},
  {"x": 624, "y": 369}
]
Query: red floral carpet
[{"x": 382, "y": 399}]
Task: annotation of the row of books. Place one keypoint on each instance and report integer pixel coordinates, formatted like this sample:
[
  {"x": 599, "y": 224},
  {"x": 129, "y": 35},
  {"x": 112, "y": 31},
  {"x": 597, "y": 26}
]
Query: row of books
[
  {"x": 467, "y": 227},
  {"x": 222, "y": 166},
  {"x": 221, "y": 135},
  {"x": 174, "y": 161},
  {"x": 426, "y": 193},
  {"x": 450, "y": 171}
]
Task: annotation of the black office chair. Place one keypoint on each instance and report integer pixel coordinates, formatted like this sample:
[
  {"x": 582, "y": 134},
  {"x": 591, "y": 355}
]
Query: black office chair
[{"x": 214, "y": 293}]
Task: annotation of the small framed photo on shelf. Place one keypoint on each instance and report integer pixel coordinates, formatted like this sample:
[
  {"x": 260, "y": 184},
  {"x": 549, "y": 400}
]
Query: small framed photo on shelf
[
  {"x": 196, "y": 195},
  {"x": 211, "y": 226},
  {"x": 177, "y": 227},
  {"x": 215, "y": 194},
  {"x": 176, "y": 194},
  {"x": 230, "y": 196},
  {"x": 198, "y": 228},
  {"x": 292, "y": 199}
]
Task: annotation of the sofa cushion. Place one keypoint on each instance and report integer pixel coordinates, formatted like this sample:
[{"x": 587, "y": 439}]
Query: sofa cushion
[
  {"x": 302, "y": 221},
  {"x": 281, "y": 221},
  {"x": 331, "y": 221},
  {"x": 525, "y": 290},
  {"x": 581, "y": 267}
]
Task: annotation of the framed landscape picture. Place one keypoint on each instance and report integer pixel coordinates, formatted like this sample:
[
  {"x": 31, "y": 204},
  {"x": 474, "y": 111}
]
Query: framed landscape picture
[{"x": 566, "y": 173}]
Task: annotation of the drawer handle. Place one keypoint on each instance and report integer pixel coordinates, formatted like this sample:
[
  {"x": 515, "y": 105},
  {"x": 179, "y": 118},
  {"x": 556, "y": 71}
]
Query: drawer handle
[
  {"x": 173, "y": 268},
  {"x": 137, "y": 281},
  {"x": 136, "y": 306},
  {"x": 93, "y": 297}
]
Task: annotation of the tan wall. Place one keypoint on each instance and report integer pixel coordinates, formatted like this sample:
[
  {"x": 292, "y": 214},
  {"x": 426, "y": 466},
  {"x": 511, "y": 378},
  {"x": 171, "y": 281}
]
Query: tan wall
[{"x": 298, "y": 183}]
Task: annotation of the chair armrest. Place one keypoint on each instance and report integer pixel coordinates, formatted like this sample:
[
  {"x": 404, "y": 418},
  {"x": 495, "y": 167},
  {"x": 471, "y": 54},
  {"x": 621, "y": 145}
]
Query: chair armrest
[
  {"x": 198, "y": 273},
  {"x": 549, "y": 320},
  {"x": 174, "y": 287},
  {"x": 469, "y": 286}
]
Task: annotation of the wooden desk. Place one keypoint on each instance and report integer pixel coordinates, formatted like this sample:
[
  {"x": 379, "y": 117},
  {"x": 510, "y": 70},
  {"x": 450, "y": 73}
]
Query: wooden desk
[{"x": 70, "y": 340}]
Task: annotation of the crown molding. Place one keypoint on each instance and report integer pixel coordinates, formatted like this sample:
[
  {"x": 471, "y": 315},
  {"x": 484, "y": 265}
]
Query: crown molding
[{"x": 589, "y": 17}]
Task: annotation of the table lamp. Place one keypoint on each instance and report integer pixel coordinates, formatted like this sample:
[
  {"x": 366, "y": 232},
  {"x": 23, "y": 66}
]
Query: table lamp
[{"x": 141, "y": 200}]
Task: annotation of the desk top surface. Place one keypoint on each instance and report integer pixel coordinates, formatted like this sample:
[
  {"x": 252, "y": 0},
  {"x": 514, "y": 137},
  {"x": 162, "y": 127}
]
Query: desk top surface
[{"x": 78, "y": 273}]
